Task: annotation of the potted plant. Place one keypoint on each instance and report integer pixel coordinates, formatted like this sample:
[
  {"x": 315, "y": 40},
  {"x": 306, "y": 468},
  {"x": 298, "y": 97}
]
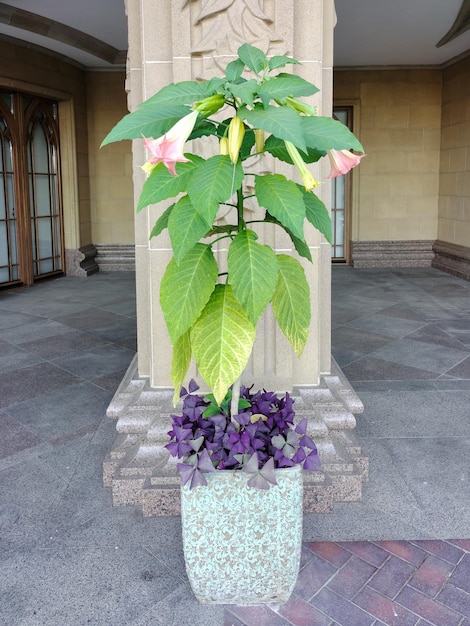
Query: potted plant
[{"x": 212, "y": 304}]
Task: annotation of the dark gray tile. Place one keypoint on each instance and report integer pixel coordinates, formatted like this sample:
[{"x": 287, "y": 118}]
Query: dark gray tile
[
  {"x": 426, "y": 413},
  {"x": 434, "y": 335},
  {"x": 13, "y": 357},
  {"x": 14, "y": 436},
  {"x": 462, "y": 370},
  {"x": 33, "y": 331},
  {"x": 90, "y": 318},
  {"x": 29, "y": 382},
  {"x": 420, "y": 355},
  {"x": 63, "y": 413},
  {"x": 372, "y": 368},
  {"x": 63, "y": 344},
  {"x": 385, "y": 325},
  {"x": 357, "y": 339},
  {"x": 12, "y": 319},
  {"x": 96, "y": 362}
]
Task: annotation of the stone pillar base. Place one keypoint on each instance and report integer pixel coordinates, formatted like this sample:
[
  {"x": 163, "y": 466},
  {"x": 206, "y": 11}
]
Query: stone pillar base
[
  {"x": 141, "y": 472},
  {"x": 81, "y": 261}
]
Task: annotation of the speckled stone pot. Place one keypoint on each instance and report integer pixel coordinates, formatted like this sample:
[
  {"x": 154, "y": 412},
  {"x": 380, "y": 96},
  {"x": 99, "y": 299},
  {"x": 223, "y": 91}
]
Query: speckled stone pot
[{"x": 242, "y": 545}]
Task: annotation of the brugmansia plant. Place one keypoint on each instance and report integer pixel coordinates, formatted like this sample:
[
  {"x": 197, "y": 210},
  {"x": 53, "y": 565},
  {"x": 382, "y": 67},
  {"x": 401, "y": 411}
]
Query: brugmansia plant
[{"x": 210, "y": 314}]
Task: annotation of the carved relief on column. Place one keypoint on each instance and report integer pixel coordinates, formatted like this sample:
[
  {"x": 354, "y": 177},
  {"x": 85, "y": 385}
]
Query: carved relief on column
[{"x": 222, "y": 26}]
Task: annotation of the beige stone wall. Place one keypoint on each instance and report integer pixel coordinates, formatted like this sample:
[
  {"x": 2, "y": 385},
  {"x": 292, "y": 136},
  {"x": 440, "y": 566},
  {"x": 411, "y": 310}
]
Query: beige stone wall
[
  {"x": 454, "y": 202},
  {"x": 111, "y": 188},
  {"x": 28, "y": 70},
  {"x": 398, "y": 119}
]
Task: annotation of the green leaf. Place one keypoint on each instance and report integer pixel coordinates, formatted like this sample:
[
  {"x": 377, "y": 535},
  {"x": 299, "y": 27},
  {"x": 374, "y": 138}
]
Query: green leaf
[
  {"x": 186, "y": 226},
  {"x": 282, "y": 198},
  {"x": 299, "y": 244},
  {"x": 180, "y": 363},
  {"x": 278, "y": 149},
  {"x": 325, "y": 133},
  {"x": 284, "y": 85},
  {"x": 252, "y": 270},
  {"x": 234, "y": 70},
  {"x": 280, "y": 121},
  {"x": 146, "y": 122},
  {"x": 185, "y": 92},
  {"x": 291, "y": 302},
  {"x": 162, "y": 184},
  {"x": 222, "y": 340},
  {"x": 186, "y": 288},
  {"x": 317, "y": 214},
  {"x": 252, "y": 57},
  {"x": 245, "y": 91},
  {"x": 214, "y": 181},
  {"x": 162, "y": 222},
  {"x": 280, "y": 61},
  {"x": 202, "y": 128}
]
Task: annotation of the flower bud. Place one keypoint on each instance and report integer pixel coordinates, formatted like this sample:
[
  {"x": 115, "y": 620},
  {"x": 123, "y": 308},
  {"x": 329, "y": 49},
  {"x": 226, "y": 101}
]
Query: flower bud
[
  {"x": 236, "y": 132},
  {"x": 259, "y": 139},
  {"x": 223, "y": 145},
  {"x": 211, "y": 104},
  {"x": 300, "y": 107},
  {"x": 307, "y": 178}
]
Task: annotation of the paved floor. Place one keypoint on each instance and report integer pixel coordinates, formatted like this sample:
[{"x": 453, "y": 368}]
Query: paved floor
[{"x": 402, "y": 556}]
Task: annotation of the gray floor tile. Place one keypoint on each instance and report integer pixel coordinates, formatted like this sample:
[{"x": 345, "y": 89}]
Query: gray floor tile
[
  {"x": 422, "y": 355},
  {"x": 95, "y": 362},
  {"x": 13, "y": 319},
  {"x": 28, "y": 382},
  {"x": 358, "y": 340},
  {"x": 386, "y": 325},
  {"x": 13, "y": 357},
  {"x": 14, "y": 436},
  {"x": 63, "y": 344},
  {"x": 372, "y": 368},
  {"x": 61, "y": 412},
  {"x": 32, "y": 331}
]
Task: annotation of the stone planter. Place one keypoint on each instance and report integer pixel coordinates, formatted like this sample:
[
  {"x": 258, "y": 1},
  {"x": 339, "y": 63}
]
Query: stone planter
[{"x": 242, "y": 545}]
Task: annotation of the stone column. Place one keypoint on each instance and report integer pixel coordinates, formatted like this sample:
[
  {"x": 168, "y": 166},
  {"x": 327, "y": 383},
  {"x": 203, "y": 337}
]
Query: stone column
[{"x": 184, "y": 40}]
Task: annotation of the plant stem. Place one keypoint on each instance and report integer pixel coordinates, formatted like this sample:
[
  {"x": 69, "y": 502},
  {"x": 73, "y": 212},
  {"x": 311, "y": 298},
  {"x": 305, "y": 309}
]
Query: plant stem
[
  {"x": 235, "y": 399},
  {"x": 241, "y": 221}
]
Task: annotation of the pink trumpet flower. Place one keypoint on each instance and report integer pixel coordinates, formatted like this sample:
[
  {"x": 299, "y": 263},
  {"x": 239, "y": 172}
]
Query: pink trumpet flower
[
  {"x": 168, "y": 149},
  {"x": 342, "y": 161}
]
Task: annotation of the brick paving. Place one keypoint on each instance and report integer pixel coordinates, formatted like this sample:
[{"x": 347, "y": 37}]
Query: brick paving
[{"x": 364, "y": 583}]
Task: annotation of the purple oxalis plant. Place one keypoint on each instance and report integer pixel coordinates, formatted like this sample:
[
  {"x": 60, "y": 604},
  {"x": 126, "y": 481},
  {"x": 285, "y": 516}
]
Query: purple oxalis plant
[{"x": 261, "y": 438}]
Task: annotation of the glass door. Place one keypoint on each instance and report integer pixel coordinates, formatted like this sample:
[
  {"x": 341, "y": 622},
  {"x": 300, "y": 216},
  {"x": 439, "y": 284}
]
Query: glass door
[{"x": 31, "y": 240}]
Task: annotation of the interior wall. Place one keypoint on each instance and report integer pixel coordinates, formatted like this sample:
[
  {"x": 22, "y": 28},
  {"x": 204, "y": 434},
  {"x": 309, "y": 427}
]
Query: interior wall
[
  {"x": 454, "y": 202},
  {"x": 397, "y": 184},
  {"x": 111, "y": 187}
]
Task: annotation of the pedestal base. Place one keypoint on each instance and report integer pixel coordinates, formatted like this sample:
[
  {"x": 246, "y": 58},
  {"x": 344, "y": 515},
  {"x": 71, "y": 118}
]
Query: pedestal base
[{"x": 140, "y": 471}]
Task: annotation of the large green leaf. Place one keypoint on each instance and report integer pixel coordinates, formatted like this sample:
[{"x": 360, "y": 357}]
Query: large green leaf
[
  {"x": 180, "y": 363},
  {"x": 222, "y": 340},
  {"x": 213, "y": 182},
  {"x": 184, "y": 92},
  {"x": 280, "y": 61},
  {"x": 186, "y": 288},
  {"x": 162, "y": 222},
  {"x": 252, "y": 270},
  {"x": 282, "y": 198},
  {"x": 162, "y": 184},
  {"x": 280, "y": 121},
  {"x": 325, "y": 133},
  {"x": 277, "y": 147},
  {"x": 234, "y": 70},
  {"x": 299, "y": 244},
  {"x": 284, "y": 85},
  {"x": 252, "y": 57},
  {"x": 186, "y": 227},
  {"x": 317, "y": 214},
  {"x": 291, "y": 302},
  {"x": 245, "y": 91},
  {"x": 146, "y": 122}
]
